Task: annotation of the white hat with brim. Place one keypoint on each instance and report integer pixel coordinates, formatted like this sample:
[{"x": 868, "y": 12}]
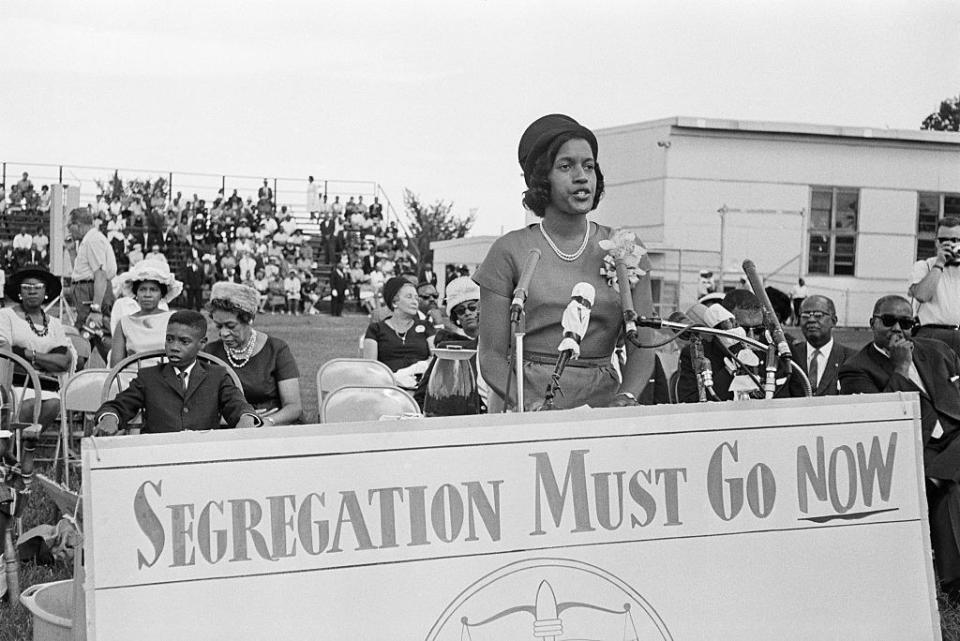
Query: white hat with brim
[
  {"x": 461, "y": 290},
  {"x": 149, "y": 269}
]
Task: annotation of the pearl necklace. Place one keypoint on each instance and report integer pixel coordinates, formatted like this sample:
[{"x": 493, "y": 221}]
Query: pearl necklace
[
  {"x": 239, "y": 357},
  {"x": 564, "y": 256}
]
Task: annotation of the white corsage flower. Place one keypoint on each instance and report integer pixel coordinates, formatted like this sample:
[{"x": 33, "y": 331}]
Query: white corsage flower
[{"x": 622, "y": 246}]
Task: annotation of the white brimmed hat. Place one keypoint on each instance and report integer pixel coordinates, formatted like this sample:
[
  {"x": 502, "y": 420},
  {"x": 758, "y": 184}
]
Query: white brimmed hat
[
  {"x": 149, "y": 269},
  {"x": 460, "y": 290}
]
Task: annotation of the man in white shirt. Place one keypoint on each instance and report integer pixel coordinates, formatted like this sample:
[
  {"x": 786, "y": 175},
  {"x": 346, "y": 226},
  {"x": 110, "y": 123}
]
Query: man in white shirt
[
  {"x": 818, "y": 354},
  {"x": 313, "y": 198},
  {"x": 935, "y": 284},
  {"x": 23, "y": 240}
]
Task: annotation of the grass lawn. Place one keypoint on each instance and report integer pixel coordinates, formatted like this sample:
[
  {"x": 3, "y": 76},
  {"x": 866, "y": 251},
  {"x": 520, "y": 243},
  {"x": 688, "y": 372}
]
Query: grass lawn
[{"x": 313, "y": 341}]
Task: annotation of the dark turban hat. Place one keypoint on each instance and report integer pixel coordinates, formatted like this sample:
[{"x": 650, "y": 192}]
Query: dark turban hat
[
  {"x": 391, "y": 288},
  {"x": 543, "y": 131}
]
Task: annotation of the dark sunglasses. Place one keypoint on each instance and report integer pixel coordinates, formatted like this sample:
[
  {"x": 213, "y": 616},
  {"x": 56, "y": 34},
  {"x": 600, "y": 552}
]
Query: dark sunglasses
[
  {"x": 465, "y": 307},
  {"x": 433, "y": 296},
  {"x": 948, "y": 240},
  {"x": 889, "y": 320}
]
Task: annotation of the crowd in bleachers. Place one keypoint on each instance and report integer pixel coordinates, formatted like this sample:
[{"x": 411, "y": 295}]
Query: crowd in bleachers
[{"x": 231, "y": 237}]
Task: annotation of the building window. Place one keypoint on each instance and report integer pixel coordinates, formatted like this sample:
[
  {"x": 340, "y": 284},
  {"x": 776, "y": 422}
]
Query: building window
[
  {"x": 931, "y": 207},
  {"x": 834, "y": 213}
]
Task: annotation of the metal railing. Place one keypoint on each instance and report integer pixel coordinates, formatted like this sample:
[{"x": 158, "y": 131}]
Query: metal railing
[{"x": 289, "y": 192}]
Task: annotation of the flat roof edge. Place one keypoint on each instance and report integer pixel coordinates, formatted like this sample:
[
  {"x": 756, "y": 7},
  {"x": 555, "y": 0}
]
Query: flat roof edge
[{"x": 791, "y": 128}]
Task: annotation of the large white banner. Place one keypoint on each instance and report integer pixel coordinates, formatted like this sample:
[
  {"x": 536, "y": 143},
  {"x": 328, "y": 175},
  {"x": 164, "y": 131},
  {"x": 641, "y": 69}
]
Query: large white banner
[{"x": 788, "y": 519}]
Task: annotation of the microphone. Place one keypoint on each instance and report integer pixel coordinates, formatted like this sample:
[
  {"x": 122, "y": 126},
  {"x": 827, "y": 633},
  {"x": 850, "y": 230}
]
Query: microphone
[
  {"x": 626, "y": 300},
  {"x": 576, "y": 318},
  {"x": 705, "y": 378},
  {"x": 520, "y": 291},
  {"x": 770, "y": 319}
]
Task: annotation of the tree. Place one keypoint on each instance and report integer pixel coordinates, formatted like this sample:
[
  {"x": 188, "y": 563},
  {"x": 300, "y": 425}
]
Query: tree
[
  {"x": 946, "y": 119},
  {"x": 432, "y": 222}
]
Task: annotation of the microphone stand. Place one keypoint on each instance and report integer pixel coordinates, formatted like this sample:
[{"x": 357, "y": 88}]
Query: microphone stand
[
  {"x": 697, "y": 354},
  {"x": 515, "y": 357},
  {"x": 657, "y": 323},
  {"x": 770, "y": 383}
]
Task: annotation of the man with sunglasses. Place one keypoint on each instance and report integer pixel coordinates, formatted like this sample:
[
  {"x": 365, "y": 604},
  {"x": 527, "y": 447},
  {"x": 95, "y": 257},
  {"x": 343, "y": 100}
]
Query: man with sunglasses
[
  {"x": 430, "y": 309},
  {"x": 818, "y": 354},
  {"x": 935, "y": 283},
  {"x": 895, "y": 363}
]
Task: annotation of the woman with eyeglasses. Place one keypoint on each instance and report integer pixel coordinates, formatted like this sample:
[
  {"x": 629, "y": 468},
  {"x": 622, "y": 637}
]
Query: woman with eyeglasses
[
  {"x": 402, "y": 340},
  {"x": 27, "y": 330}
]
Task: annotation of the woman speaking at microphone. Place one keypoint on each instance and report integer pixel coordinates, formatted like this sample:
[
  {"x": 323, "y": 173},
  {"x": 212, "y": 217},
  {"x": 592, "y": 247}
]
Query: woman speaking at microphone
[{"x": 564, "y": 184}]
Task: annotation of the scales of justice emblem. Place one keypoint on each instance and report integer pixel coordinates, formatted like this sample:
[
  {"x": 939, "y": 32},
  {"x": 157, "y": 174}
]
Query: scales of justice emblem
[{"x": 519, "y": 601}]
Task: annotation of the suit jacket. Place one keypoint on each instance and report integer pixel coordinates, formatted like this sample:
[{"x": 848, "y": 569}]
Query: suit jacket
[
  {"x": 192, "y": 276},
  {"x": 870, "y": 372},
  {"x": 338, "y": 281},
  {"x": 829, "y": 384},
  {"x": 166, "y": 408}
]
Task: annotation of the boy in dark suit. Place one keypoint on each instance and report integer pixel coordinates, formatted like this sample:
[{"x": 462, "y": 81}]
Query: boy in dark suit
[{"x": 182, "y": 394}]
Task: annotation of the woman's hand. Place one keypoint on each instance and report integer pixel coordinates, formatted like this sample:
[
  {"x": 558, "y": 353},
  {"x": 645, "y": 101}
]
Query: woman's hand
[{"x": 623, "y": 399}]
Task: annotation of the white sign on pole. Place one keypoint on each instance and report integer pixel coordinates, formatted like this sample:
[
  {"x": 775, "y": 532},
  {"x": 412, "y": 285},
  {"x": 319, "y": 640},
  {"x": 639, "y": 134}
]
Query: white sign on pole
[{"x": 788, "y": 519}]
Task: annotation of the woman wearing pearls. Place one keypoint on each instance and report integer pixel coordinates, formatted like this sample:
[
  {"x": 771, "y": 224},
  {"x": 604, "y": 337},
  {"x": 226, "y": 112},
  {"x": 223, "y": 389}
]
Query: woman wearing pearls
[
  {"x": 265, "y": 365},
  {"x": 564, "y": 184}
]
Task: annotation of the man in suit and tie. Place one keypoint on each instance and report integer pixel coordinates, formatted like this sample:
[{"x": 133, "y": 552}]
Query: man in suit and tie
[
  {"x": 183, "y": 393},
  {"x": 818, "y": 354},
  {"x": 894, "y": 363},
  {"x": 332, "y": 234}
]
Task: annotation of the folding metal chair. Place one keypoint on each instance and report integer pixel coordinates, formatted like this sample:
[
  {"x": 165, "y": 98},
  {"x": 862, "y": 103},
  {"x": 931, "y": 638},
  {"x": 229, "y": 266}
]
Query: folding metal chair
[
  {"x": 338, "y": 372},
  {"x": 81, "y": 393},
  {"x": 353, "y": 403}
]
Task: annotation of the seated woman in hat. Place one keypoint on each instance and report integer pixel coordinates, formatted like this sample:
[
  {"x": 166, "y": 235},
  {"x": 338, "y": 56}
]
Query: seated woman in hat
[
  {"x": 150, "y": 283},
  {"x": 27, "y": 331},
  {"x": 401, "y": 341},
  {"x": 265, "y": 365}
]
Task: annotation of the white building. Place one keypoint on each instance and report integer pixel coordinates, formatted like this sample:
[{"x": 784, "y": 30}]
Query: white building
[{"x": 847, "y": 209}]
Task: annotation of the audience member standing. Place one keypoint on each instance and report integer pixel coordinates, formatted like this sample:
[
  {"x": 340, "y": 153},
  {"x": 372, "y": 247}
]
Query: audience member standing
[
  {"x": 93, "y": 267},
  {"x": 313, "y": 198},
  {"x": 935, "y": 284},
  {"x": 797, "y": 295},
  {"x": 192, "y": 277},
  {"x": 338, "y": 288}
]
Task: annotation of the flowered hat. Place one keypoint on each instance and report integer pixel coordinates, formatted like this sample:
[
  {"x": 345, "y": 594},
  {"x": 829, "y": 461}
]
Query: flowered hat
[{"x": 148, "y": 269}]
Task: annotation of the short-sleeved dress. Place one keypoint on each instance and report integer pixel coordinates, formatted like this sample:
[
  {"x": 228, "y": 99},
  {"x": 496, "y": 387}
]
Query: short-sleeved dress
[
  {"x": 261, "y": 374},
  {"x": 144, "y": 333},
  {"x": 16, "y": 332},
  {"x": 398, "y": 351},
  {"x": 592, "y": 379}
]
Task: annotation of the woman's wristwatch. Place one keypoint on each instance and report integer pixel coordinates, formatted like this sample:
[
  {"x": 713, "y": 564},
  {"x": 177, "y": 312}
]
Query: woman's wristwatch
[{"x": 630, "y": 395}]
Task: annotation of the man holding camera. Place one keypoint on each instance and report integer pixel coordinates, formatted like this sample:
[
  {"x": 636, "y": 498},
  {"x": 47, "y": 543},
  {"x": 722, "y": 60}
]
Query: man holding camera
[{"x": 936, "y": 286}]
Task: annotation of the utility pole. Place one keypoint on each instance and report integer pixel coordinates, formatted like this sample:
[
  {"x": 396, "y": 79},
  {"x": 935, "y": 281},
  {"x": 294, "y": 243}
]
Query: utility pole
[{"x": 723, "y": 228}]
